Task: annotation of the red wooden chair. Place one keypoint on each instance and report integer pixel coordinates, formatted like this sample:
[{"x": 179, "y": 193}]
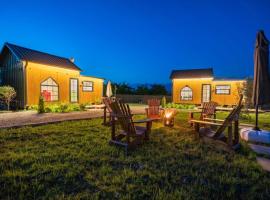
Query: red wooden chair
[
  {"x": 208, "y": 111},
  {"x": 154, "y": 111}
]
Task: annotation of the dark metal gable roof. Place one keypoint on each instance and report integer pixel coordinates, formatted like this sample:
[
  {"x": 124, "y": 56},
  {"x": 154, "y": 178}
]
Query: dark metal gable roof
[
  {"x": 192, "y": 73},
  {"x": 31, "y": 55}
]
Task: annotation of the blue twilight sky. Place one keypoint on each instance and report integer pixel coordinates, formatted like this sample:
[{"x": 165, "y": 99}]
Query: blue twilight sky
[{"x": 140, "y": 41}]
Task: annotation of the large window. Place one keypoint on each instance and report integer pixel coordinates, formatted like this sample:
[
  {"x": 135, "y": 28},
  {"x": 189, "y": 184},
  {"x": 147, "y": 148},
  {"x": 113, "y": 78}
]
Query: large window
[
  {"x": 49, "y": 90},
  {"x": 223, "y": 89},
  {"x": 186, "y": 93},
  {"x": 87, "y": 86}
]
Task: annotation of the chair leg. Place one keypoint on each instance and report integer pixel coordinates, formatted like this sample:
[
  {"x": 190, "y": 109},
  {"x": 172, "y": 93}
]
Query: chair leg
[
  {"x": 113, "y": 128},
  {"x": 104, "y": 116},
  {"x": 191, "y": 117},
  {"x": 148, "y": 130},
  {"x": 236, "y": 132},
  {"x": 230, "y": 139}
]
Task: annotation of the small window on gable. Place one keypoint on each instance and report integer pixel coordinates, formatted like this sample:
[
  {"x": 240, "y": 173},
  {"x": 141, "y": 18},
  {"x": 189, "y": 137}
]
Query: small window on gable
[
  {"x": 186, "y": 94},
  {"x": 88, "y": 86},
  {"x": 49, "y": 90},
  {"x": 223, "y": 89}
]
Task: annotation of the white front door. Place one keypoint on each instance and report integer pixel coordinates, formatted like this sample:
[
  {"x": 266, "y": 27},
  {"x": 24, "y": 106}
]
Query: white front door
[
  {"x": 206, "y": 93},
  {"x": 74, "y": 90}
]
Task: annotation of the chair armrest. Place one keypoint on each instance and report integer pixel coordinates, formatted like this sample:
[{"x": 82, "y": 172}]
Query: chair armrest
[
  {"x": 246, "y": 125},
  {"x": 199, "y": 111},
  {"x": 207, "y": 123},
  {"x": 212, "y": 119}
]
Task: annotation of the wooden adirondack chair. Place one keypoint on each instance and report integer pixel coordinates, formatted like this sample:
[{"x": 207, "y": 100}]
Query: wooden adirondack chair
[
  {"x": 107, "y": 109},
  {"x": 130, "y": 135},
  {"x": 232, "y": 139},
  {"x": 154, "y": 111},
  {"x": 208, "y": 111}
]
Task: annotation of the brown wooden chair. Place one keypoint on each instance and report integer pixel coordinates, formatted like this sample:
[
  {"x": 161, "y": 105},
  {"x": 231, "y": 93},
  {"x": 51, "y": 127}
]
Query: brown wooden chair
[
  {"x": 154, "y": 111},
  {"x": 107, "y": 109},
  {"x": 130, "y": 135},
  {"x": 208, "y": 111},
  {"x": 232, "y": 139}
]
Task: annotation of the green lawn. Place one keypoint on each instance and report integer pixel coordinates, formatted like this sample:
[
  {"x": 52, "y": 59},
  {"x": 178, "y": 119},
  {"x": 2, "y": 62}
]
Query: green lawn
[{"x": 73, "y": 160}]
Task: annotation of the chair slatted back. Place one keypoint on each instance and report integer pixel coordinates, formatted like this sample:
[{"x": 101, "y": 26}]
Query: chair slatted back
[
  {"x": 107, "y": 102},
  {"x": 153, "y": 106},
  {"x": 124, "y": 116},
  {"x": 209, "y": 108},
  {"x": 233, "y": 116}
]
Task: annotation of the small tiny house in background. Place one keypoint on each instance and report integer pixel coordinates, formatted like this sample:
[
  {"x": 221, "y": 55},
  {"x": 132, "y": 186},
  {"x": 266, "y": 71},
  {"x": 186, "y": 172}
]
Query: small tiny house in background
[
  {"x": 33, "y": 73},
  {"x": 197, "y": 86}
]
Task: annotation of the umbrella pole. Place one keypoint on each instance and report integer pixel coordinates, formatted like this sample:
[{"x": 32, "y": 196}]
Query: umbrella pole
[{"x": 257, "y": 113}]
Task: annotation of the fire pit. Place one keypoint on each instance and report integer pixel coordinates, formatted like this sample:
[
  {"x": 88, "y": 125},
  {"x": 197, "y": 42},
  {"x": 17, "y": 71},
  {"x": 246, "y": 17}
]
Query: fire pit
[{"x": 168, "y": 117}]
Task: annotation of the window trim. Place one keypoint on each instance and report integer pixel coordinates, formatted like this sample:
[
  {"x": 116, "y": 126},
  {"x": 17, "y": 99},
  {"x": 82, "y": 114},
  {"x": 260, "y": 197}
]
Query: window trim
[
  {"x": 223, "y": 89},
  {"x": 58, "y": 96},
  {"x": 77, "y": 90},
  {"x": 191, "y": 94},
  {"x": 88, "y": 86}
]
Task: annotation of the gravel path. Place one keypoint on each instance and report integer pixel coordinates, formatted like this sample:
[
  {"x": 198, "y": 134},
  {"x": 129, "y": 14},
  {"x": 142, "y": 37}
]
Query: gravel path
[{"x": 24, "y": 118}]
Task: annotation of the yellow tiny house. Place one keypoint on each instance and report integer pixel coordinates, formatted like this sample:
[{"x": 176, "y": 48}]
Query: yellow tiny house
[
  {"x": 57, "y": 79},
  {"x": 197, "y": 86}
]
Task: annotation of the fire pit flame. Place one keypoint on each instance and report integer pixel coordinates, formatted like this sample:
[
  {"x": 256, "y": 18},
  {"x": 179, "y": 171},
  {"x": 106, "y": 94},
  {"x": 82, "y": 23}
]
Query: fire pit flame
[{"x": 169, "y": 117}]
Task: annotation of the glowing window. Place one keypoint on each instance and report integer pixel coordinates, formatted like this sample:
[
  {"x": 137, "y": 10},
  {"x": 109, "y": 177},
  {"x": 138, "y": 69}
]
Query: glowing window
[
  {"x": 49, "y": 90},
  {"x": 186, "y": 94},
  {"x": 223, "y": 89},
  {"x": 87, "y": 86}
]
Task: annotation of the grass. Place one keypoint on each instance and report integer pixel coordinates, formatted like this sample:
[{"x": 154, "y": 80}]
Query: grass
[{"x": 72, "y": 160}]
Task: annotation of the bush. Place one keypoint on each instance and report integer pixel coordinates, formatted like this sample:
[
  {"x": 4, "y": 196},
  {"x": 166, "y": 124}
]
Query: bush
[
  {"x": 180, "y": 106},
  {"x": 63, "y": 108},
  {"x": 82, "y": 106},
  {"x": 163, "y": 102},
  {"x": 74, "y": 107},
  {"x": 41, "y": 106},
  {"x": 57, "y": 108},
  {"x": 7, "y": 94}
]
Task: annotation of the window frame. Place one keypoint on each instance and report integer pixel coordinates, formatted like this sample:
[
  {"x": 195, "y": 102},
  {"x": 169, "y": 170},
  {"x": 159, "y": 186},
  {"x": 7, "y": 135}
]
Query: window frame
[
  {"x": 57, "y": 86},
  {"x": 88, "y": 86},
  {"x": 229, "y": 90},
  {"x": 183, "y": 99}
]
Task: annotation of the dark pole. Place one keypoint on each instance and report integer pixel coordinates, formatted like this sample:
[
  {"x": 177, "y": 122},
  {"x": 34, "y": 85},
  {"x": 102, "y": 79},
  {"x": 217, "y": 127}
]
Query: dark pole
[{"x": 257, "y": 113}]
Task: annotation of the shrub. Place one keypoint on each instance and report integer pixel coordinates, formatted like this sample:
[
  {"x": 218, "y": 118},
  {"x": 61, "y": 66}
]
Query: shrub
[
  {"x": 58, "y": 108},
  {"x": 163, "y": 102},
  {"x": 63, "y": 107},
  {"x": 48, "y": 109},
  {"x": 41, "y": 106},
  {"x": 180, "y": 106},
  {"x": 74, "y": 107},
  {"x": 7, "y": 94},
  {"x": 82, "y": 106},
  {"x": 32, "y": 107}
]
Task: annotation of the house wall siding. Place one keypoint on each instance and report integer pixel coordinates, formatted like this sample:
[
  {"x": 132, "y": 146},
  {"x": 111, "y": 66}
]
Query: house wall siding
[
  {"x": 12, "y": 74},
  {"x": 196, "y": 86},
  {"x": 37, "y": 73}
]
